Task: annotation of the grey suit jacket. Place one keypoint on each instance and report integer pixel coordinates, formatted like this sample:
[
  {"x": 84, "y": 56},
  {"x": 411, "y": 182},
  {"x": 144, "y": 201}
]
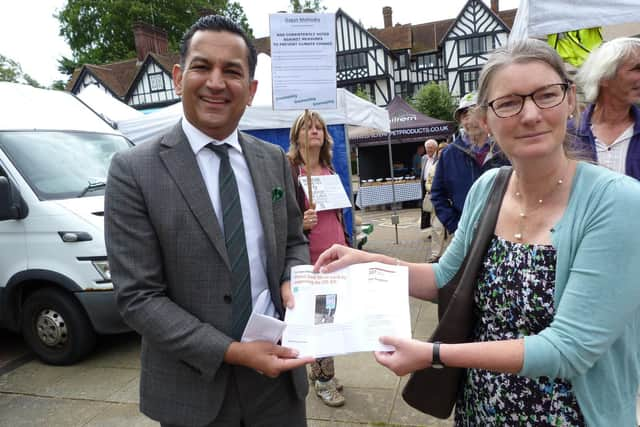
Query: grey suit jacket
[{"x": 172, "y": 275}]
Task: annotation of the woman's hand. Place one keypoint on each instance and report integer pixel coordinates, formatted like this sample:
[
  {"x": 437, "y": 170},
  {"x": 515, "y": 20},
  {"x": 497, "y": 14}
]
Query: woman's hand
[
  {"x": 339, "y": 256},
  {"x": 310, "y": 219},
  {"x": 409, "y": 356}
]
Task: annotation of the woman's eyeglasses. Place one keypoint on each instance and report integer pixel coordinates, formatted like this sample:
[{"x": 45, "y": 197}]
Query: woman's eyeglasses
[{"x": 545, "y": 97}]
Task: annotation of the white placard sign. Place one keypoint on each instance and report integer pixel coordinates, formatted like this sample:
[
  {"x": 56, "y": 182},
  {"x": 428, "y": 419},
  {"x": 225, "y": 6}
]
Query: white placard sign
[
  {"x": 328, "y": 192},
  {"x": 303, "y": 61}
]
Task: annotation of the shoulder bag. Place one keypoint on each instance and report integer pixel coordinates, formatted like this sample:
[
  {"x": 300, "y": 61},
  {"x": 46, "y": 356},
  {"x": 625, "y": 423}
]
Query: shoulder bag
[{"x": 431, "y": 390}]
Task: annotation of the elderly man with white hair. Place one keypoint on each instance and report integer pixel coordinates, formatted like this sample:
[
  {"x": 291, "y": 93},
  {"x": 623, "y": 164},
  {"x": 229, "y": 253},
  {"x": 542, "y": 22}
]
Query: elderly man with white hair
[
  {"x": 428, "y": 161},
  {"x": 610, "y": 125}
]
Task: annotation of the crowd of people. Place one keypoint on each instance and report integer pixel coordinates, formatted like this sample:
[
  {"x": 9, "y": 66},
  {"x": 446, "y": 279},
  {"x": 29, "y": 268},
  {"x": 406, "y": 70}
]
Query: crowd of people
[{"x": 204, "y": 225}]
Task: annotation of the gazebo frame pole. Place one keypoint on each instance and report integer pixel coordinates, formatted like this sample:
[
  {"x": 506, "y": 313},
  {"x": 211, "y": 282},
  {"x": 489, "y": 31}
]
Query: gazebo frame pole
[{"x": 395, "y": 219}]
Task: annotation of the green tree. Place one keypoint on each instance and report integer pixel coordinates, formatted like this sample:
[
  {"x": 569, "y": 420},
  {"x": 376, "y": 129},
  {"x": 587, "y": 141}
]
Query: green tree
[
  {"x": 361, "y": 93},
  {"x": 297, "y": 6},
  {"x": 67, "y": 65},
  {"x": 11, "y": 71},
  {"x": 58, "y": 85},
  {"x": 435, "y": 101},
  {"x": 100, "y": 31}
]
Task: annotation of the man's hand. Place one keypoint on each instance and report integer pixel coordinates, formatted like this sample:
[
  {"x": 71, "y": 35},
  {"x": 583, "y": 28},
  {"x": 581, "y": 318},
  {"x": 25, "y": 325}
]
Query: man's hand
[
  {"x": 267, "y": 358},
  {"x": 288, "y": 299},
  {"x": 409, "y": 356}
]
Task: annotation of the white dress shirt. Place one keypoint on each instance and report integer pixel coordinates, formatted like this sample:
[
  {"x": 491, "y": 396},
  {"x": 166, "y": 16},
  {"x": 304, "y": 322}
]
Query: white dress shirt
[
  {"x": 614, "y": 156},
  {"x": 428, "y": 164},
  {"x": 209, "y": 164}
]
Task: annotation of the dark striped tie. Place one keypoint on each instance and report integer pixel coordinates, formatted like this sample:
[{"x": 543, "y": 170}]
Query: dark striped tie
[{"x": 235, "y": 241}]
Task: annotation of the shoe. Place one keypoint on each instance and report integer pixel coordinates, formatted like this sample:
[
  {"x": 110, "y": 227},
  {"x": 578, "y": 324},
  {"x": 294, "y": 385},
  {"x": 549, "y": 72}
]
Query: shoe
[
  {"x": 337, "y": 384},
  {"x": 329, "y": 394}
]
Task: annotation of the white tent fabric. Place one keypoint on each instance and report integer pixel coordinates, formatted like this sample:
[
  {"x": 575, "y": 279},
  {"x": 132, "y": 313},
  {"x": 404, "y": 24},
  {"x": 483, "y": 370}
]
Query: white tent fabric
[
  {"x": 351, "y": 110},
  {"x": 106, "y": 105},
  {"x": 538, "y": 18}
]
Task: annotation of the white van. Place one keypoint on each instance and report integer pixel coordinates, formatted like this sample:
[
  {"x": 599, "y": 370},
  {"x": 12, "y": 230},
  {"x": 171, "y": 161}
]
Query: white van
[{"x": 55, "y": 285}]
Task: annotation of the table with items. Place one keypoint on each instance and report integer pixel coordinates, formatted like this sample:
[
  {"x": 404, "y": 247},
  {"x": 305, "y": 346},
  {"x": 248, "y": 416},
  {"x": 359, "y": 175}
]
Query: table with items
[{"x": 380, "y": 192}]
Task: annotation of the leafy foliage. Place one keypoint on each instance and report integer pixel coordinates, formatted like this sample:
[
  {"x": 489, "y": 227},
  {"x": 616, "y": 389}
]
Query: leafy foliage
[
  {"x": 361, "y": 93},
  {"x": 59, "y": 85},
  {"x": 297, "y": 6},
  {"x": 100, "y": 31},
  {"x": 67, "y": 65},
  {"x": 435, "y": 101},
  {"x": 11, "y": 71}
]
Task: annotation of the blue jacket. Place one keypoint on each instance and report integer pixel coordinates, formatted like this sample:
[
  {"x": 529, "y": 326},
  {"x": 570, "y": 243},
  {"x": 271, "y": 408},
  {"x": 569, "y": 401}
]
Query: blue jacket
[
  {"x": 632, "y": 167},
  {"x": 456, "y": 171}
]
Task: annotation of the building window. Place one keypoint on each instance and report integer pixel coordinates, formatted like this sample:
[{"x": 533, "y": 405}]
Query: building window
[
  {"x": 424, "y": 62},
  {"x": 403, "y": 89},
  {"x": 350, "y": 61},
  {"x": 156, "y": 82},
  {"x": 429, "y": 67},
  {"x": 469, "y": 81},
  {"x": 475, "y": 45},
  {"x": 402, "y": 61}
]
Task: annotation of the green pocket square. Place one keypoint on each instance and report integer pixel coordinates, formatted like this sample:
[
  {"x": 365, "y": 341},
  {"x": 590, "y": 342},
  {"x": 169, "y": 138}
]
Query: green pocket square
[{"x": 276, "y": 194}]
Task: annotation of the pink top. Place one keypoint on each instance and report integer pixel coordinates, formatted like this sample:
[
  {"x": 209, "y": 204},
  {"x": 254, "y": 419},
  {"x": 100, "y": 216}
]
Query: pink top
[{"x": 327, "y": 231}]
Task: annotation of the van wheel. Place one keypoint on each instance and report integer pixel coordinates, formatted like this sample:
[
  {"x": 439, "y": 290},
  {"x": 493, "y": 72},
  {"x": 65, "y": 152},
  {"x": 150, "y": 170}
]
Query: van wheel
[{"x": 56, "y": 327}]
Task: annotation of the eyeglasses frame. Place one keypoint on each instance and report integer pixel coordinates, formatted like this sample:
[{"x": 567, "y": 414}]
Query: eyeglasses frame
[{"x": 565, "y": 86}]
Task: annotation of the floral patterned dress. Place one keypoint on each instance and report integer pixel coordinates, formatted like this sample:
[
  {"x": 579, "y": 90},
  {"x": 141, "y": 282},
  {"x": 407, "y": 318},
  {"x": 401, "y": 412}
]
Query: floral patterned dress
[{"x": 514, "y": 298}]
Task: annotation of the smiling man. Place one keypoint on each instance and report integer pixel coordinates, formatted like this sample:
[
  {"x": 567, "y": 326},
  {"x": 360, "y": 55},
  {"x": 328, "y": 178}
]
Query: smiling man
[{"x": 202, "y": 227}]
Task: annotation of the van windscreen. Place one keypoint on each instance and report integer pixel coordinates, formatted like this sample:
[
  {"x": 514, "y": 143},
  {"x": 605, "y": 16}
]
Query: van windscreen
[{"x": 60, "y": 164}]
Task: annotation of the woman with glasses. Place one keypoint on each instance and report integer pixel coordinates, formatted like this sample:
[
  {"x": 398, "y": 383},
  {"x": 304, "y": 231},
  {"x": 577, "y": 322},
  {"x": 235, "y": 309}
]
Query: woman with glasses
[{"x": 557, "y": 297}]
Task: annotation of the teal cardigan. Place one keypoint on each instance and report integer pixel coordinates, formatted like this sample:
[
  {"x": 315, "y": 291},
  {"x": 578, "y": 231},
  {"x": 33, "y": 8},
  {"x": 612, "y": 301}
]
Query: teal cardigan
[{"x": 594, "y": 338}]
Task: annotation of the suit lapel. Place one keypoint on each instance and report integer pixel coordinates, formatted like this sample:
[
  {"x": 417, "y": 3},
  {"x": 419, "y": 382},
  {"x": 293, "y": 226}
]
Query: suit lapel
[
  {"x": 183, "y": 167},
  {"x": 254, "y": 155}
]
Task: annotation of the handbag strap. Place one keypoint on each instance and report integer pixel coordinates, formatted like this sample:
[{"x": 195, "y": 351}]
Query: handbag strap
[
  {"x": 489, "y": 218},
  {"x": 486, "y": 226}
]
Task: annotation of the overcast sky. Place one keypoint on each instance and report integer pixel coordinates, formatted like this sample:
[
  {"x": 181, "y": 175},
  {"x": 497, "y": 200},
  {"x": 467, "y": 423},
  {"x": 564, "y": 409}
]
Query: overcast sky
[{"x": 29, "y": 32}]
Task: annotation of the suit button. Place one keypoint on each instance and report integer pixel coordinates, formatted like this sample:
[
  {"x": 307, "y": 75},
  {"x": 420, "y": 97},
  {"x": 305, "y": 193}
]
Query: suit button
[{"x": 227, "y": 298}]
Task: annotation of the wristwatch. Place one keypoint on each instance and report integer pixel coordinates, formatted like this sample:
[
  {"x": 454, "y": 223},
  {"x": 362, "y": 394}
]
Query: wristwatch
[{"x": 435, "y": 358}]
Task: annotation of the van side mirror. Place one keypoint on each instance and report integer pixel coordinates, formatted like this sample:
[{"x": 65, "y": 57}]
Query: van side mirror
[{"x": 12, "y": 206}]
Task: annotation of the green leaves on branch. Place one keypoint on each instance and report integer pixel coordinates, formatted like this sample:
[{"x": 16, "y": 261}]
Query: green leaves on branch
[
  {"x": 435, "y": 101},
  {"x": 11, "y": 71},
  {"x": 297, "y": 6}
]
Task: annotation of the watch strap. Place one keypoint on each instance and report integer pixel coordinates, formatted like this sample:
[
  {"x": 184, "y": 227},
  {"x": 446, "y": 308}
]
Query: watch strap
[{"x": 435, "y": 358}]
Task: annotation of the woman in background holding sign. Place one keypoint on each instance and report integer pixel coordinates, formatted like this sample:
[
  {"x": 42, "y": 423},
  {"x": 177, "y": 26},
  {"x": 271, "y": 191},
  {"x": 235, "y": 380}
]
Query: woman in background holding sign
[{"x": 310, "y": 149}]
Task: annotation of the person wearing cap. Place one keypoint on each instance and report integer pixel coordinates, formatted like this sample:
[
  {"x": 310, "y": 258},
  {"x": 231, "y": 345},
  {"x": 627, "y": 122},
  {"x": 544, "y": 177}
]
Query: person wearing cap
[{"x": 461, "y": 163}]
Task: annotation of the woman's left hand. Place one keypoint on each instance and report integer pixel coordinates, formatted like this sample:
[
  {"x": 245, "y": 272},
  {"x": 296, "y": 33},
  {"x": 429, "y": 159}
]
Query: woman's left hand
[
  {"x": 409, "y": 356},
  {"x": 309, "y": 219}
]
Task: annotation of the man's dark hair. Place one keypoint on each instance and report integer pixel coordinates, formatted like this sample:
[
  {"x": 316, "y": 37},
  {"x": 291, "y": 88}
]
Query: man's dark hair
[{"x": 218, "y": 23}]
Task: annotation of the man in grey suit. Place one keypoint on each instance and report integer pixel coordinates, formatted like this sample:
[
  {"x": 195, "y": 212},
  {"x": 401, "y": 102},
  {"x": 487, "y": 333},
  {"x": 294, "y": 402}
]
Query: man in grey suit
[{"x": 172, "y": 258}]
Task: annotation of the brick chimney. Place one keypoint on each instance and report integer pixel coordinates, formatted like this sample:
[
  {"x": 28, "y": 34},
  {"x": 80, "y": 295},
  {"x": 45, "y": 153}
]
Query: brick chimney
[
  {"x": 149, "y": 39},
  {"x": 387, "y": 16},
  {"x": 495, "y": 6}
]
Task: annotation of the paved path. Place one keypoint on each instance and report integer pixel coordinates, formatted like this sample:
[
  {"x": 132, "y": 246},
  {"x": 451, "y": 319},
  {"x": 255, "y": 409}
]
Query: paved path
[{"x": 103, "y": 390}]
